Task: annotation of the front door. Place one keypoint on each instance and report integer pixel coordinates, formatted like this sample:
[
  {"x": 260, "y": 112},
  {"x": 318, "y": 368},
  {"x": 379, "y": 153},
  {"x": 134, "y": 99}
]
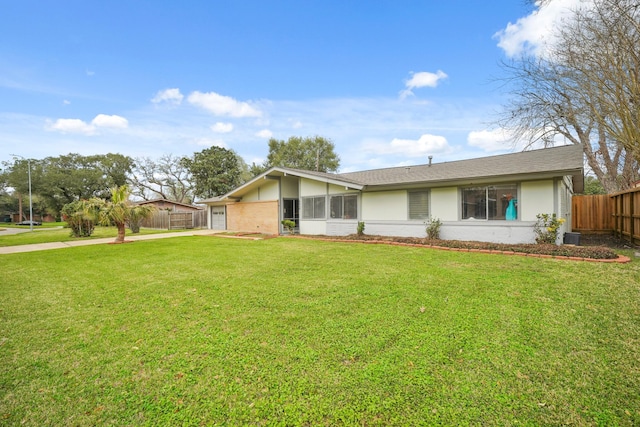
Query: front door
[{"x": 291, "y": 211}]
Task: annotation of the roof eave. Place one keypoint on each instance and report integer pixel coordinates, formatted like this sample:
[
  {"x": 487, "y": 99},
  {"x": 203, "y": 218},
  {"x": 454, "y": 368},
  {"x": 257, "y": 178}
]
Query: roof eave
[{"x": 575, "y": 174}]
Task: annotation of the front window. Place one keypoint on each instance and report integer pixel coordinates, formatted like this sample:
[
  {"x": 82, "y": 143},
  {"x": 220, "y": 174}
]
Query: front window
[
  {"x": 493, "y": 202},
  {"x": 313, "y": 207},
  {"x": 344, "y": 206},
  {"x": 419, "y": 205}
]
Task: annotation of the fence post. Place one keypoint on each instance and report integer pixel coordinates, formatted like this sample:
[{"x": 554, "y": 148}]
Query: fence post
[{"x": 631, "y": 219}]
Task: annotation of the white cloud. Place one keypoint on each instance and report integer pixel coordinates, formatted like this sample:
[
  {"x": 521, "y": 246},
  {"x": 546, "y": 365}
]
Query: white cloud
[
  {"x": 422, "y": 79},
  {"x": 221, "y": 127},
  {"x": 66, "y": 102},
  {"x": 533, "y": 32},
  {"x": 423, "y": 146},
  {"x": 72, "y": 126},
  {"x": 264, "y": 133},
  {"x": 490, "y": 140},
  {"x": 81, "y": 127},
  {"x": 114, "y": 122},
  {"x": 221, "y": 105},
  {"x": 171, "y": 96}
]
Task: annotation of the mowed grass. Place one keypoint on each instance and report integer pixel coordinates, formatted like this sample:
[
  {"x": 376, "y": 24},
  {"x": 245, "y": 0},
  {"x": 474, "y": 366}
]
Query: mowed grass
[
  {"x": 49, "y": 234},
  {"x": 216, "y": 331}
]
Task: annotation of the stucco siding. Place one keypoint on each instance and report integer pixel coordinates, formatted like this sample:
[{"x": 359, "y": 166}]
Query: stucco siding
[
  {"x": 313, "y": 227},
  {"x": 312, "y": 188},
  {"x": 384, "y": 206},
  {"x": 489, "y": 231},
  {"x": 445, "y": 204},
  {"x": 341, "y": 227},
  {"x": 258, "y": 217},
  {"x": 395, "y": 228},
  {"x": 289, "y": 187},
  {"x": 536, "y": 197}
]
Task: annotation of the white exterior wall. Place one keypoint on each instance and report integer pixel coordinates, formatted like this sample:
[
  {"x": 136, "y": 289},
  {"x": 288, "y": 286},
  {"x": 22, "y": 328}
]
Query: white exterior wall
[
  {"x": 313, "y": 227},
  {"x": 385, "y": 206},
  {"x": 269, "y": 191},
  {"x": 445, "y": 204},
  {"x": 536, "y": 197},
  {"x": 386, "y": 213},
  {"x": 289, "y": 187},
  {"x": 489, "y": 231},
  {"x": 312, "y": 188}
]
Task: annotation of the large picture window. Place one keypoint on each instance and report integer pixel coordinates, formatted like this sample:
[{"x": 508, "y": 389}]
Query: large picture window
[
  {"x": 344, "y": 206},
  {"x": 419, "y": 205},
  {"x": 492, "y": 202},
  {"x": 314, "y": 207}
]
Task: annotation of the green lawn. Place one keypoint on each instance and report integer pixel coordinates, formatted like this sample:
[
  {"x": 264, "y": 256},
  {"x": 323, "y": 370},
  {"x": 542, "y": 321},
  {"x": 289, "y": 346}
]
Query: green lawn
[
  {"x": 50, "y": 234},
  {"x": 216, "y": 331}
]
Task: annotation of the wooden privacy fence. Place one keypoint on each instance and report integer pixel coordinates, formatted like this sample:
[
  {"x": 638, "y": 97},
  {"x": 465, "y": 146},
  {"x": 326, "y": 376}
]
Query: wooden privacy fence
[
  {"x": 592, "y": 214},
  {"x": 626, "y": 218},
  {"x": 617, "y": 213},
  {"x": 167, "y": 220}
]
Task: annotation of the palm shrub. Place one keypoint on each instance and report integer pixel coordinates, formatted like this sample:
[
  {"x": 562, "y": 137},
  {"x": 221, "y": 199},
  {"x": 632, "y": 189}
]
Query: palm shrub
[
  {"x": 137, "y": 215},
  {"x": 119, "y": 211},
  {"x": 81, "y": 216}
]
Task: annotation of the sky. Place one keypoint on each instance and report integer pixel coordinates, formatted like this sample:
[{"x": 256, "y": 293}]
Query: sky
[{"x": 389, "y": 82}]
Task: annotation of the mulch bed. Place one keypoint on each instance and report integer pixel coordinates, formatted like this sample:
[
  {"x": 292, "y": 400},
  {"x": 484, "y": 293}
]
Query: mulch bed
[{"x": 602, "y": 250}]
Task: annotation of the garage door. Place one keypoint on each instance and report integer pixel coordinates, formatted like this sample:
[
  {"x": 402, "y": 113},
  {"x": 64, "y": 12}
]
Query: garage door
[{"x": 218, "y": 218}]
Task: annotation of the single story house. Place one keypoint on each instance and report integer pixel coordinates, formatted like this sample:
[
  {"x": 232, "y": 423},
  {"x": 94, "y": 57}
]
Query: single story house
[{"x": 492, "y": 199}]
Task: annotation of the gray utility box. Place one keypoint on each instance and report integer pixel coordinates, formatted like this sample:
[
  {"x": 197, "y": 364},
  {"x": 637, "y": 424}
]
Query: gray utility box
[{"x": 572, "y": 239}]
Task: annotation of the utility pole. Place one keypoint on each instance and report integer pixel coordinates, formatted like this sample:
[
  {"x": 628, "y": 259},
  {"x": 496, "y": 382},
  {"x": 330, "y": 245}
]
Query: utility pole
[{"x": 30, "y": 198}]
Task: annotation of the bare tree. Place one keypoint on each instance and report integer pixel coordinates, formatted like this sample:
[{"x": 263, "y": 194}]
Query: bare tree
[
  {"x": 166, "y": 178},
  {"x": 584, "y": 90}
]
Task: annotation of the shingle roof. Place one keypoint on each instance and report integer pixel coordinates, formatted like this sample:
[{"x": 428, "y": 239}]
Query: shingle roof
[
  {"x": 566, "y": 160},
  {"x": 549, "y": 162}
]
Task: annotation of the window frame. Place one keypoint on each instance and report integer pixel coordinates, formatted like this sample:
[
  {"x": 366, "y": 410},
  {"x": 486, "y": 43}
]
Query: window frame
[
  {"x": 427, "y": 194},
  {"x": 320, "y": 213},
  {"x": 500, "y": 203},
  {"x": 343, "y": 206}
]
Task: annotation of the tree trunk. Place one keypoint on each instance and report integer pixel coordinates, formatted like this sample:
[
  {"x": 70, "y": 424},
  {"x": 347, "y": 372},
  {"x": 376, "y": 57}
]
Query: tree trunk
[{"x": 121, "y": 232}]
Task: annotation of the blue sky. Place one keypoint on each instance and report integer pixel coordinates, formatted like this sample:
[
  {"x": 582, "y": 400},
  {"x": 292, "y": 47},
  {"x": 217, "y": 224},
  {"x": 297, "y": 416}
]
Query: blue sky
[{"x": 389, "y": 82}]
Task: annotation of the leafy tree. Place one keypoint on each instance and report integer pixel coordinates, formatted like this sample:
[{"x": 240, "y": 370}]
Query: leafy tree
[
  {"x": 310, "y": 153},
  {"x": 585, "y": 89},
  {"x": 255, "y": 169},
  {"x": 119, "y": 211},
  {"x": 64, "y": 179},
  {"x": 215, "y": 171},
  {"x": 593, "y": 186},
  {"x": 167, "y": 178}
]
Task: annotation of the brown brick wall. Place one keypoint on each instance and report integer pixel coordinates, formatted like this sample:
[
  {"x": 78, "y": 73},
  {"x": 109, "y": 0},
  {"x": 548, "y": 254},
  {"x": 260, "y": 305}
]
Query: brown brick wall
[{"x": 255, "y": 217}]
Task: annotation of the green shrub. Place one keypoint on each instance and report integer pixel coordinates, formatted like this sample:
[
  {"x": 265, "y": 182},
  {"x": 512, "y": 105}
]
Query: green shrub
[
  {"x": 547, "y": 227},
  {"x": 433, "y": 229},
  {"x": 360, "y": 228},
  {"x": 289, "y": 225},
  {"x": 81, "y": 216}
]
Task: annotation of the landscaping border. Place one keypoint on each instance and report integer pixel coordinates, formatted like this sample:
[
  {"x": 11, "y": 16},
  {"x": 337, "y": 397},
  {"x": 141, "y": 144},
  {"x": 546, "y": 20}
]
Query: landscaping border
[{"x": 622, "y": 259}]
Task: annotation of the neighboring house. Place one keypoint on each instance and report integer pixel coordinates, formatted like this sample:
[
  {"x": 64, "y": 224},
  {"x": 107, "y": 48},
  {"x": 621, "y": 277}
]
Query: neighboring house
[
  {"x": 493, "y": 199},
  {"x": 168, "y": 205}
]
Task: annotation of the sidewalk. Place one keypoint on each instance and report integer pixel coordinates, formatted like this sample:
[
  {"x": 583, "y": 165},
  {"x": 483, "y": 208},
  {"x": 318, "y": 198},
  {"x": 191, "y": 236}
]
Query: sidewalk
[{"x": 128, "y": 238}]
